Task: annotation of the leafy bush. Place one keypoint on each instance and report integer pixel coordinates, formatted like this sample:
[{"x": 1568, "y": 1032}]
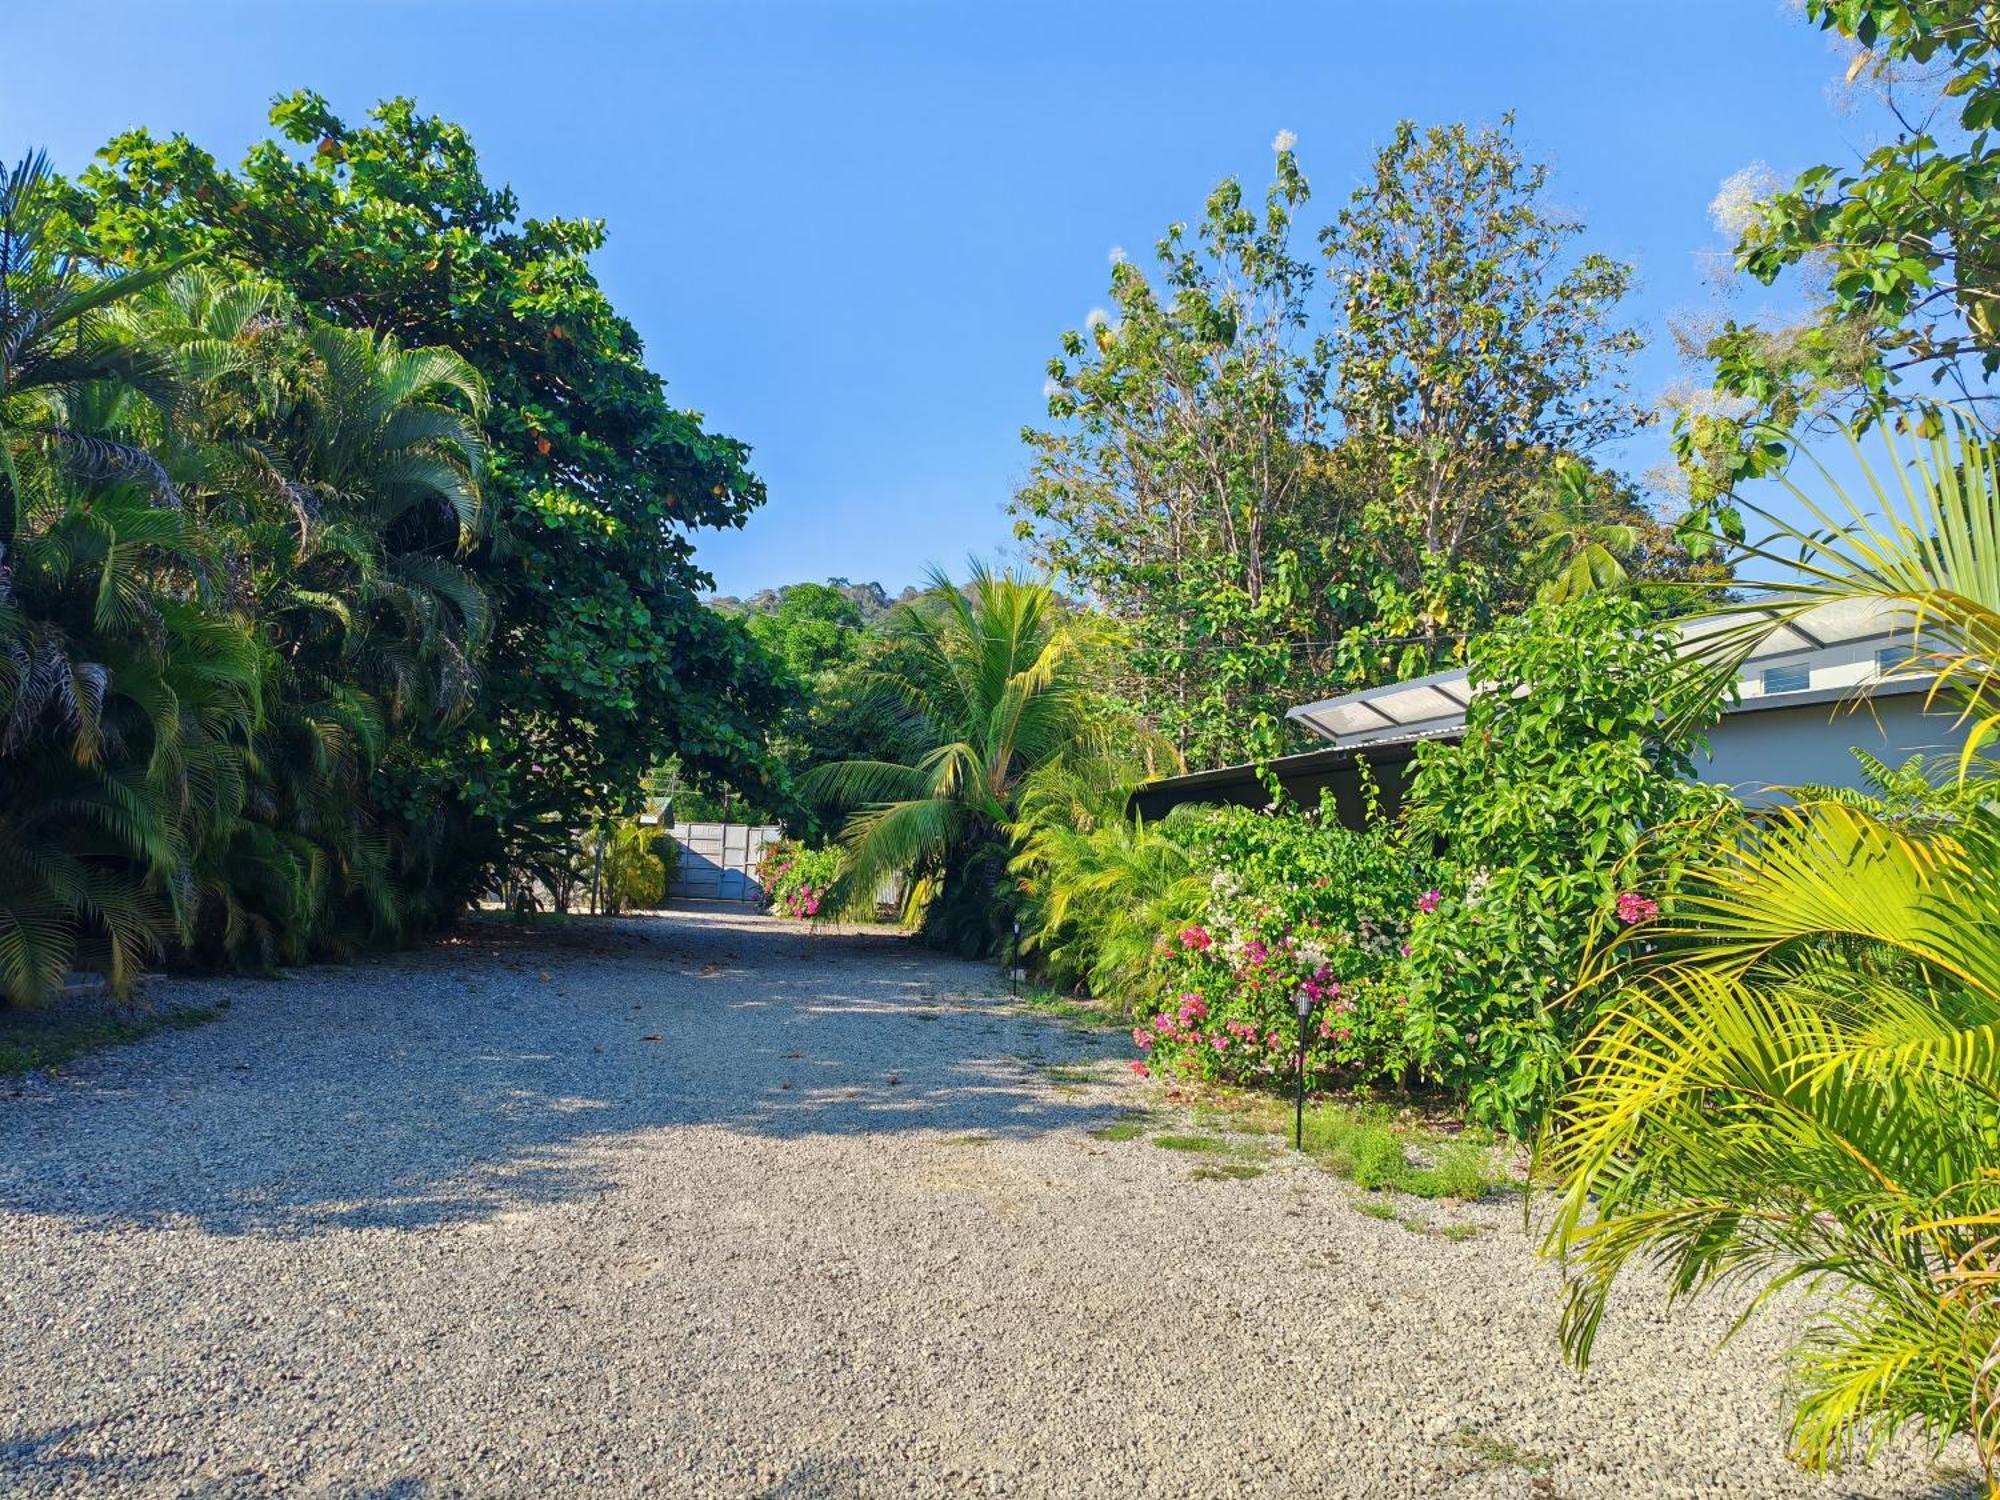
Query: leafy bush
[
  {"x": 635, "y": 876},
  {"x": 1567, "y": 809},
  {"x": 1098, "y": 888},
  {"x": 1377, "y": 1156},
  {"x": 796, "y": 879}
]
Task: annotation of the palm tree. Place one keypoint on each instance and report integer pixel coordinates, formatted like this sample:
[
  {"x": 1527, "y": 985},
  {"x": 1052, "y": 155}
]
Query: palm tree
[
  {"x": 125, "y": 706},
  {"x": 1796, "y": 1076},
  {"x": 339, "y": 473},
  {"x": 1578, "y": 545},
  {"x": 196, "y": 695},
  {"x": 125, "y": 698},
  {"x": 58, "y": 346},
  {"x": 989, "y": 684}
]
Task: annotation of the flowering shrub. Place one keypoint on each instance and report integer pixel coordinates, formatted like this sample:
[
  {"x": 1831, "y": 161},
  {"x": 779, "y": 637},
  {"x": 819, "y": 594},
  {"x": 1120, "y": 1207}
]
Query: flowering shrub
[
  {"x": 796, "y": 879},
  {"x": 1296, "y": 907}
]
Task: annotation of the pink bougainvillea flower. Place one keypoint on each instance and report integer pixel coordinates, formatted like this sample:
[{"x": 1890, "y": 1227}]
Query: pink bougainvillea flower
[
  {"x": 1429, "y": 901},
  {"x": 1195, "y": 938},
  {"x": 1141, "y": 1069},
  {"x": 1142, "y": 1038},
  {"x": 1634, "y": 908},
  {"x": 1406, "y": 950}
]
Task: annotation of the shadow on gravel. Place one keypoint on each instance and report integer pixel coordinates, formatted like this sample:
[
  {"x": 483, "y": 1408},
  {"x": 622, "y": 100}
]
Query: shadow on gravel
[
  {"x": 500, "y": 1070},
  {"x": 50, "y": 1458}
]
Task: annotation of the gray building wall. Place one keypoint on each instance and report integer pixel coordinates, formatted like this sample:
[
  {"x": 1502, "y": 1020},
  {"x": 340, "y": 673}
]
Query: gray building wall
[{"x": 1808, "y": 744}]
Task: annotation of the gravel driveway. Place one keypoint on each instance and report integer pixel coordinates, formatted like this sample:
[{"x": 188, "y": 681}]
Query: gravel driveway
[{"x": 698, "y": 1205}]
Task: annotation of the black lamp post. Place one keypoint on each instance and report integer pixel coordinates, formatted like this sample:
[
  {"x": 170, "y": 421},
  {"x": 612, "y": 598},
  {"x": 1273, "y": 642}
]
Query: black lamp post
[{"x": 1299, "y": 1111}]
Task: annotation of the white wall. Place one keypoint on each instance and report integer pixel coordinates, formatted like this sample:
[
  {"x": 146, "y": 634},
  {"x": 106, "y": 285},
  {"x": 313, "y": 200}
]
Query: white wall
[{"x": 1808, "y": 744}]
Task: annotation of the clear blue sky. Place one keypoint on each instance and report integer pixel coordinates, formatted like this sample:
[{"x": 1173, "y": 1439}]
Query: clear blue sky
[{"x": 849, "y": 233}]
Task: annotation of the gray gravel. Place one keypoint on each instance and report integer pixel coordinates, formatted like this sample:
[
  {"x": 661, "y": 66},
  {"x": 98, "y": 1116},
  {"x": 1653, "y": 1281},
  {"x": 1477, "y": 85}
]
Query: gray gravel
[{"x": 458, "y": 1224}]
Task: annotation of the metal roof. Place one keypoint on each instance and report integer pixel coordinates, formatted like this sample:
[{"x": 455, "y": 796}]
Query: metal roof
[
  {"x": 1301, "y": 775},
  {"x": 1435, "y": 705}
]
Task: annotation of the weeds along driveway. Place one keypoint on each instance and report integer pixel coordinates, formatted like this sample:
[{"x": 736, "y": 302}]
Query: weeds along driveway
[{"x": 701, "y": 1205}]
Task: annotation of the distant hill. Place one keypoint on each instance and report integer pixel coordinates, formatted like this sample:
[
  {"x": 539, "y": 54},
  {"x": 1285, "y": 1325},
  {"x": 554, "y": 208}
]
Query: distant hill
[{"x": 871, "y": 599}]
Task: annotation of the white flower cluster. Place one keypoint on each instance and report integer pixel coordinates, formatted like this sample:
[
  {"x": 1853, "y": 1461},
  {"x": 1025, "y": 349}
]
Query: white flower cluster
[
  {"x": 1313, "y": 953},
  {"x": 1475, "y": 887},
  {"x": 1735, "y": 207}
]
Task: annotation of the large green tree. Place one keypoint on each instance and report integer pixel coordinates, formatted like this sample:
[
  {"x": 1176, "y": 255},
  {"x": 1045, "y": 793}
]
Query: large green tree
[
  {"x": 1897, "y": 250},
  {"x": 1282, "y": 502},
  {"x": 1179, "y": 486},
  {"x": 1474, "y": 343},
  {"x": 602, "y": 658}
]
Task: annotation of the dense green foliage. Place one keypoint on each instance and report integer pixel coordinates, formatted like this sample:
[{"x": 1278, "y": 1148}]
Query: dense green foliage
[
  {"x": 830, "y": 659},
  {"x": 1794, "y": 1076},
  {"x": 290, "y": 458},
  {"x": 1571, "y": 787},
  {"x": 232, "y": 593},
  {"x": 1438, "y": 946},
  {"x": 592, "y": 480}
]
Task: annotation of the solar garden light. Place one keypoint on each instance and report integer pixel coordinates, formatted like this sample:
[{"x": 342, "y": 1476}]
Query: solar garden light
[{"x": 1299, "y": 1112}]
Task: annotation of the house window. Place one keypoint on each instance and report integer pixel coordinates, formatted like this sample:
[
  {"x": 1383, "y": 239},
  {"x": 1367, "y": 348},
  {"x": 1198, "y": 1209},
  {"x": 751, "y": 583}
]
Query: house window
[
  {"x": 1794, "y": 679},
  {"x": 1889, "y": 658}
]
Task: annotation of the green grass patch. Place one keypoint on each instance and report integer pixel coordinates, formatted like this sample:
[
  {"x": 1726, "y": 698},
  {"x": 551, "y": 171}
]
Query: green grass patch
[
  {"x": 1491, "y": 1452},
  {"x": 1458, "y": 1231},
  {"x": 1085, "y": 1013},
  {"x": 1374, "y": 1208},
  {"x": 1207, "y": 1143},
  {"x": 1372, "y": 1148},
  {"x": 1229, "y": 1171},
  {"x": 1069, "y": 1073},
  {"x": 1128, "y": 1129},
  {"x": 1460, "y": 1173},
  {"x": 32, "y": 1042},
  {"x": 1376, "y": 1158}
]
